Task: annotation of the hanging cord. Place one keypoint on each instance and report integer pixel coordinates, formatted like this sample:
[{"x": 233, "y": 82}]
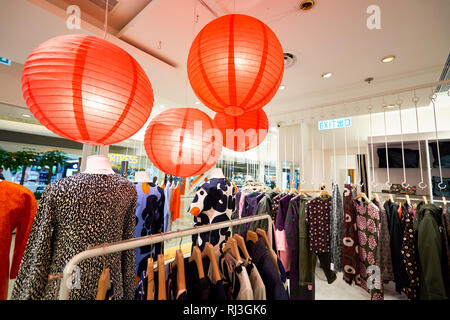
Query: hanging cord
[
  {"x": 433, "y": 97},
  {"x": 399, "y": 102},
  {"x": 293, "y": 159},
  {"x": 345, "y": 144},
  {"x": 323, "y": 162},
  {"x": 195, "y": 19},
  {"x": 422, "y": 185},
  {"x": 106, "y": 20},
  {"x": 334, "y": 154},
  {"x": 312, "y": 156},
  {"x": 359, "y": 164},
  {"x": 285, "y": 155},
  {"x": 302, "y": 169},
  {"x": 374, "y": 183},
  {"x": 388, "y": 182}
]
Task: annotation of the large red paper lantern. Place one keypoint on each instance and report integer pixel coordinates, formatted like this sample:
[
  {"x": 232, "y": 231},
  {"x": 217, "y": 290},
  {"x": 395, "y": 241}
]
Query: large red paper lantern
[
  {"x": 86, "y": 89},
  {"x": 235, "y": 64},
  {"x": 183, "y": 142},
  {"x": 245, "y": 132}
]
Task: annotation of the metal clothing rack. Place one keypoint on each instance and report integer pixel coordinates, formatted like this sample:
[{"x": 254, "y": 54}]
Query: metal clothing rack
[{"x": 64, "y": 289}]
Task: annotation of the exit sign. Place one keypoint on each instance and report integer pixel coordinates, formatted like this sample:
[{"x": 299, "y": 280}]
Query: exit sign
[
  {"x": 5, "y": 61},
  {"x": 335, "y": 123}
]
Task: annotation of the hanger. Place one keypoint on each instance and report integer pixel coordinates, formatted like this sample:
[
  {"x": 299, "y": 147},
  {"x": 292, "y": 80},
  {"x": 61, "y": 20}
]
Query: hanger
[
  {"x": 391, "y": 198},
  {"x": 286, "y": 190},
  {"x": 196, "y": 256},
  {"x": 277, "y": 190},
  {"x": 241, "y": 244},
  {"x": 231, "y": 244},
  {"x": 408, "y": 200},
  {"x": 324, "y": 192},
  {"x": 251, "y": 236},
  {"x": 208, "y": 251},
  {"x": 424, "y": 198},
  {"x": 104, "y": 284},
  {"x": 161, "y": 278},
  {"x": 179, "y": 262},
  {"x": 444, "y": 201},
  {"x": 150, "y": 276},
  {"x": 272, "y": 254},
  {"x": 375, "y": 197},
  {"x": 362, "y": 195}
]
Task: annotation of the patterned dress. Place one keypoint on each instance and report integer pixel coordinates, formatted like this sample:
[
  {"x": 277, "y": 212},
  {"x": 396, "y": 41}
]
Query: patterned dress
[
  {"x": 337, "y": 228},
  {"x": 409, "y": 253},
  {"x": 214, "y": 201},
  {"x": 317, "y": 215},
  {"x": 367, "y": 226},
  {"x": 350, "y": 241}
]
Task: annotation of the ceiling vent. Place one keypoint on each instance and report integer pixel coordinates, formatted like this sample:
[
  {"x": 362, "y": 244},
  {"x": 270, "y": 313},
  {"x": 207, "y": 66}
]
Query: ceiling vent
[
  {"x": 102, "y": 4},
  {"x": 289, "y": 60},
  {"x": 306, "y": 4},
  {"x": 444, "y": 76}
]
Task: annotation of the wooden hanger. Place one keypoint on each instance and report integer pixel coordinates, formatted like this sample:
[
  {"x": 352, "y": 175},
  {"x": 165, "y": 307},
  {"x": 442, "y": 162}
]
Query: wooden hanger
[
  {"x": 272, "y": 254},
  {"x": 408, "y": 200},
  {"x": 150, "y": 278},
  {"x": 196, "y": 256},
  {"x": 324, "y": 192},
  {"x": 286, "y": 190},
  {"x": 251, "y": 236},
  {"x": 104, "y": 284},
  {"x": 161, "y": 278},
  {"x": 231, "y": 244},
  {"x": 444, "y": 201},
  {"x": 241, "y": 244},
  {"x": 179, "y": 262},
  {"x": 362, "y": 195},
  {"x": 208, "y": 251},
  {"x": 391, "y": 198},
  {"x": 277, "y": 190},
  {"x": 375, "y": 197},
  {"x": 424, "y": 198}
]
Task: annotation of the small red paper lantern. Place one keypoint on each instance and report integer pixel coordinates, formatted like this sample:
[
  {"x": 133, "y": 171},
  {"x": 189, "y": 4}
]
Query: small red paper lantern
[
  {"x": 235, "y": 64},
  {"x": 245, "y": 132},
  {"x": 86, "y": 89},
  {"x": 183, "y": 142}
]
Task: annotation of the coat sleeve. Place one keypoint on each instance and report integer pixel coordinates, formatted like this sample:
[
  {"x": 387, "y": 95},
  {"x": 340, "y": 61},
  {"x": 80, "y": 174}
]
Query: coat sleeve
[
  {"x": 430, "y": 254},
  {"x": 129, "y": 256},
  {"x": 28, "y": 213},
  {"x": 34, "y": 269}
]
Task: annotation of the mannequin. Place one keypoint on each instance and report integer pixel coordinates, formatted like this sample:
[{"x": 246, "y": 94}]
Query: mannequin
[
  {"x": 142, "y": 176},
  {"x": 98, "y": 164},
  {"x": 217, "y": 173}
]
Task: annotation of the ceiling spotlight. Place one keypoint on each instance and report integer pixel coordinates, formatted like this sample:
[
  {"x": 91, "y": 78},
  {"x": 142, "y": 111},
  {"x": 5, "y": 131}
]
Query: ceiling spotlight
[
  {"x": 26, "y": 115},
  {"x": 327, "y": 75},
  {"x": 282, "y": 87},
  {"x": 197, "y": 102},
  {"x": 388, "y": 59},
  {"x": 390, "y": 106}
]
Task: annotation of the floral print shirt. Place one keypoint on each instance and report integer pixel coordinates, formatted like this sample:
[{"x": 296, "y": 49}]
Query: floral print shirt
[
  {"x": 317, "y": 216},
  {"x": 367, "y": 226}
]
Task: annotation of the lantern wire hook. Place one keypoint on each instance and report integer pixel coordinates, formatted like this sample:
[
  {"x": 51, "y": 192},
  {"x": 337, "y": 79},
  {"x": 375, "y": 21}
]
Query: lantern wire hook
[
  {"x": 106, "y": 20},
  {"x": 399, "y": 102},
  {"x": 433, "y": 97}
]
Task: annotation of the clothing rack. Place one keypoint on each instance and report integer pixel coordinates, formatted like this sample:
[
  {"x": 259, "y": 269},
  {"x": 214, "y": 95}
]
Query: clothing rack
[{"x": 102, "y": 250}]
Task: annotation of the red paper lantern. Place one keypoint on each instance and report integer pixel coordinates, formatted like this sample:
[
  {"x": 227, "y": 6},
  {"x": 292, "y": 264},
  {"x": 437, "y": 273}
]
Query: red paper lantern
[
  {"x": 235, "y": 64},
  {"x": 86, "y": 89},
  {"x": 245, "y": 132},
  {"x": 183, "y": 142}
]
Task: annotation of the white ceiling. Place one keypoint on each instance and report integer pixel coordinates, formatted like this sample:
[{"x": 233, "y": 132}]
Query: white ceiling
[{"x": 332, "y": 37}]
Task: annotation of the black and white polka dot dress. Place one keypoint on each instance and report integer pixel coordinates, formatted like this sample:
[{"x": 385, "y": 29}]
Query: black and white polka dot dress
[{"x": 75, "y": 212}]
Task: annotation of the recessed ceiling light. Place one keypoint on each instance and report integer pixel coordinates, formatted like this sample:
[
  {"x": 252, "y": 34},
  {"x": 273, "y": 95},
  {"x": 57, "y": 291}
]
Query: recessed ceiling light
[
  {"x": 26, "y": 116},
  {"x": 388, "y": 59},
  {"x": 390, "y": 106},
  {"x": 197, "y": 102},
  {"x": 327, "y": 75},
  {"x": 282, "y": 87}
]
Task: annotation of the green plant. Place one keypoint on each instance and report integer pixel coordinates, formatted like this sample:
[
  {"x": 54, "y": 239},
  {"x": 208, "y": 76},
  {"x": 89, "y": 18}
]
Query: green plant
[
  {"x": 24, "y": 159},
  {"x": 50, "y": 159}
]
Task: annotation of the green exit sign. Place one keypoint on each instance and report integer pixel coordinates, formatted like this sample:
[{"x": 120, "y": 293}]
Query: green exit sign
[{"x": 5, "y": 61}]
